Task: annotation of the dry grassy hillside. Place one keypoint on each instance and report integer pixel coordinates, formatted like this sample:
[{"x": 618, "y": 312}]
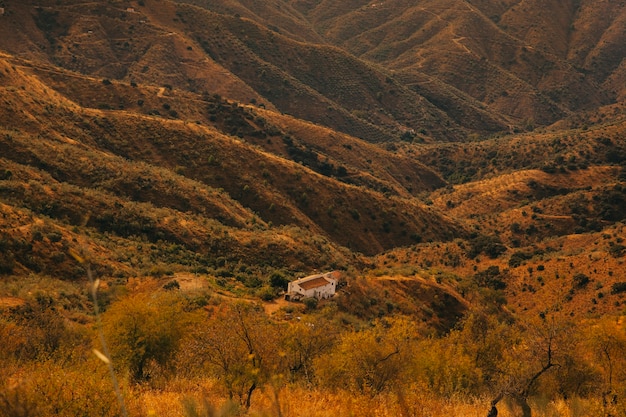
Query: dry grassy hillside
[
  {"x": 278, "y": 16},
  {"x": 168, "y": 159},
  {"x": 199, "y": 110},
  {"x": 167, "y": 168},
  {"x": 84, "y": 78},
  {"x": 197, "y": 50},
  {"x": 442, "y": 70},
  {"x": 523, "y": 60}
]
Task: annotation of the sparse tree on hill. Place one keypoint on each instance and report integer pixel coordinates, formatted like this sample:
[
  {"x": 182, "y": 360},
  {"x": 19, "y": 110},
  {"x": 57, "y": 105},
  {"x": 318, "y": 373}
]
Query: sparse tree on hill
[
  {"x": 239, "y": 346},
  {"x": 537, "y": 349},
  {"x": 371, "y": 360},
  {"x": 304, "y": 341},
  {"x": 144, "y": 329},
  {"x": 607, "y": 341}
]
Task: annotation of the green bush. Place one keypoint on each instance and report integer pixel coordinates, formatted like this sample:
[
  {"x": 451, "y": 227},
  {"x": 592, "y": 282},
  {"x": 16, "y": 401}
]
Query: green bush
[
  {"x": 491, "y": 278},
  {"x": 310, "y": 303},
  {"x": 489, "y": 245},
  {"x": 618, "y": 288},
  {"x": 279, "y": 280},
  {"x": 266, "y": 293},
  {"x": 517, "y": 258}
]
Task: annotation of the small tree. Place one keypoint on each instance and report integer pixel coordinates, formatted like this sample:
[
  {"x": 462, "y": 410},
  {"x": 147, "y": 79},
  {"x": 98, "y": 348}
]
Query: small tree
[
  {"x": 144, "y": 329},
  {"x": 580, "y": 281},
  {"x": 239, "y": 345},
  {"x": 607, "y": 341},
  {"x": 310, "y": 303},
  {"x": 533, "y": 350},
  {"x": 371, "y": 360},
  {"x": 304, "y": 340}
]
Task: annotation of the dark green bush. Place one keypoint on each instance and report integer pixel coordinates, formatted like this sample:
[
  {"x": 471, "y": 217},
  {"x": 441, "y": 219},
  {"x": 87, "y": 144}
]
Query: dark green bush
[
  {"x": 580, "y": 280},
  {"x": 618, "y": 287}
]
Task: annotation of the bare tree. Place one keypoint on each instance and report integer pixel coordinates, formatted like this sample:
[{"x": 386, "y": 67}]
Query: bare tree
[
  {"x": 542, "y": 346},
  {"x": 239, "y": 345}
]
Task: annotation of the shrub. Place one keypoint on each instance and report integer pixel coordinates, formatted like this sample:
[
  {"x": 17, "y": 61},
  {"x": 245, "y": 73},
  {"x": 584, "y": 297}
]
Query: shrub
[
  {"x": 54, "y": 237},
  {"x": 489, "y": 245},
  {"x": 266, "y": 293},
  {"x": 517, "y": 258},
  {"x": 310, "y": 303},
  {"x": 491, "y": 278},
  {"x": 580, "y": 280},
  {"x": 617, "y": 251},
  {"x": 38, "y": 331},
  {"x": 618, "y": 287},
  {"x": 5, "y": 174},
  {"x": 61, "y": 390},
  {"x": 172, "y": 285},
  {"x": 278, "y": 280},
  {"x": 224, "y": 273},
  {"x": 7, "y": 260}
]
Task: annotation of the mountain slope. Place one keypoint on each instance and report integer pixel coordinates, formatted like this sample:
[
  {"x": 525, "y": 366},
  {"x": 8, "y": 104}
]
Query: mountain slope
[
  {"x": 200, "y": 50},
  {"x": 374, "y": 70},
  {"x": 521, "y": 59},
  {"x": 236, "y": 138},
  {"x": 171, "y": 158}
]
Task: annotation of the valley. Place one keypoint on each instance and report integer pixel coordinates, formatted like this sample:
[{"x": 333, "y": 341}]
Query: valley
[{"x": 167, "y": 167}]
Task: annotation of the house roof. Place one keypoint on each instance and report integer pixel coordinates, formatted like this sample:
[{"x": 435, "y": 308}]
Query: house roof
[
  {"x": 314, "y": 282},
  {"x": 318, "y": 280}
]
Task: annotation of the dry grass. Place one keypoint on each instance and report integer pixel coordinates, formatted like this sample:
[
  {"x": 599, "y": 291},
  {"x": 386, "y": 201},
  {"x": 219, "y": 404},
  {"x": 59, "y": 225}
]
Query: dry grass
[{"x": 302, "y": 402}]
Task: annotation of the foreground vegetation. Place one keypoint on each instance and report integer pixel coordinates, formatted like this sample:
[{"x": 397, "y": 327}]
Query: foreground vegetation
[{"x": 177, "y": 352}]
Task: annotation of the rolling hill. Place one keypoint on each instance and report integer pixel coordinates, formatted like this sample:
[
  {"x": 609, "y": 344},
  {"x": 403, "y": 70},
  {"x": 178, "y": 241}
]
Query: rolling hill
[{"x": 242, "y": 137}]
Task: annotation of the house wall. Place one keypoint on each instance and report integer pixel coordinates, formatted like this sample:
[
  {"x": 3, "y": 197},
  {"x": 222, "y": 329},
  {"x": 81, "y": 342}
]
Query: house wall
[
  {"x": 326, "y": 291},
  {"x": 294, "y": 288}
]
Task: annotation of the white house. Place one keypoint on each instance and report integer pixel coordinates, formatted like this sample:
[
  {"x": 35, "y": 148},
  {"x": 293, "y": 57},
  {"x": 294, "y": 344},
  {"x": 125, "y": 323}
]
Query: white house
[{"x": 315, "y": 286}]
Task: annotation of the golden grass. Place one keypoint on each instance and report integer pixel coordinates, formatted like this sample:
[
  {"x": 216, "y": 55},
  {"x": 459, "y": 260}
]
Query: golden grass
[{"x": 295, "y": 401}]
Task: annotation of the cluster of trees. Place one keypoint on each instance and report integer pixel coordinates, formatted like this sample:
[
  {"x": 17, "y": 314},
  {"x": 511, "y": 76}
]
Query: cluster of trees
[
  {"x": 163, "y": 336},
  {"x": 487, "y": 354}
]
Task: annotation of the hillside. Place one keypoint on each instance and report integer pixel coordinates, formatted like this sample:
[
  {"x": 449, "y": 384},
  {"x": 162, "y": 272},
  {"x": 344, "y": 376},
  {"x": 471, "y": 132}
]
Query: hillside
[
  {"x": 461, "y": 164},
  {"x": 179, "y": 166},
  {"x": 203, "y": 125},
  {"x": 523, "y": 60}
]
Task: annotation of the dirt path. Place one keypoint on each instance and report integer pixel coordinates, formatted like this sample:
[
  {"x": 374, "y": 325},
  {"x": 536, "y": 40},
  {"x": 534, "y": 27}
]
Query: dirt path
[
  {"x": 273, "y": 306},
  {"x": 190, "y": 282}
]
